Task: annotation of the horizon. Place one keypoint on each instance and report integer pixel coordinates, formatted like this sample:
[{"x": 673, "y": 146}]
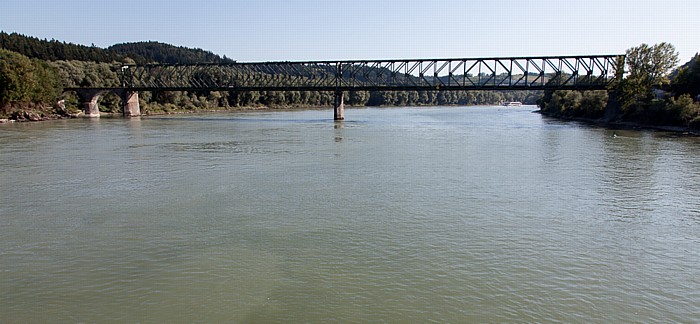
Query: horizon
[{"x": 306, "y": 31}]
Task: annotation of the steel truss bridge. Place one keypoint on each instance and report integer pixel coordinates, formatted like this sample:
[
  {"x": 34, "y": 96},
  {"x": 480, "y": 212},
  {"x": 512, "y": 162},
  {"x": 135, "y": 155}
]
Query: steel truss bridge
[
  {"x": 514, "y": 73},
  {"x": 596, "y": 72}
]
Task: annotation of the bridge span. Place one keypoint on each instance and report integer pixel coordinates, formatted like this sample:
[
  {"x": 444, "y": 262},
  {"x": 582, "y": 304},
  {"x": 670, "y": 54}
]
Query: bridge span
[{"x": 596, "y": 72}]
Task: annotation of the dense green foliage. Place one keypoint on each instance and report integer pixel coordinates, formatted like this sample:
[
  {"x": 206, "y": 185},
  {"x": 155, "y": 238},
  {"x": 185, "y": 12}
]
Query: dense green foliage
[
  {"x": 174, "y": 100},
  {"x": 26, "y": 82},
  {"x": 687, "y": 80},
  {"x": 648, "y": 68},
  {"x": 651, "y": 65},
  {"x": 87, "y": 74},
  {"x": 641, "y": 94},
  {"x": 587, "y": 104}
]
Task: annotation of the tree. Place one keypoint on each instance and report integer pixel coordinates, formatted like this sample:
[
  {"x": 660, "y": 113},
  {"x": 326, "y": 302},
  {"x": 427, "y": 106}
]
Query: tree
[
  {"x": 651, "y": 64},
  {"x": 357, "y": 98},
  {"x": 568, "y": 101},
  {"x": 683, "y": 109},
  {"x": 593, "y": 103},
  {"x": 648, "y": 67},
  {"x": 687, "y": 81},
  {"x": 24, "y": 81},
  {"x": 48, "y": 84},
  {"x": 16, "y": 77},
  {"x": 401, "y": 98}
]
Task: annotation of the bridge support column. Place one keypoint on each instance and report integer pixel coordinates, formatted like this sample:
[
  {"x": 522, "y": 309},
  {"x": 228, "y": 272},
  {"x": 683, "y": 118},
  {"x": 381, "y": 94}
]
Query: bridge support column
[
  {"x": 338, "y": 106},
  {"x": 88, "y": 102},
  {"x": 131, "y": 104},
  {"x": 613, "y": 108}
]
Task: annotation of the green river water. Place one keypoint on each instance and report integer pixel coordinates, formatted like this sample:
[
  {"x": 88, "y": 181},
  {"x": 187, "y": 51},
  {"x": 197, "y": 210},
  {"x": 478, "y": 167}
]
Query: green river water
[{"x": 402, "y": 215}]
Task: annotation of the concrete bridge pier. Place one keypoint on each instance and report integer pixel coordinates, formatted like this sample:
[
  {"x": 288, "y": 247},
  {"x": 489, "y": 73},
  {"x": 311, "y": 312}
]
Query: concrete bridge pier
[
  {"x": 88, "y": 101},
  {"x": 613, "y": 108},
  {"x": 131, "y": 103},
  {"x": 338, "y": 106}
]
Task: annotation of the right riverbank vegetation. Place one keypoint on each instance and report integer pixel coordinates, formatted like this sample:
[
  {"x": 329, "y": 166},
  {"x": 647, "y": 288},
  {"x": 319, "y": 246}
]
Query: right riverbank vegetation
[
  {"x": 652, "y": 93},
  {"x": 33, "y": 73}
]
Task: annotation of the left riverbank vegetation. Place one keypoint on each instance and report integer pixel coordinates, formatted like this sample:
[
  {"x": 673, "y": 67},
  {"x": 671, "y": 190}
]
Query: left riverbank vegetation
[
  {"x": 651, "y": 93},
  {"x": 28, "y": 87}
]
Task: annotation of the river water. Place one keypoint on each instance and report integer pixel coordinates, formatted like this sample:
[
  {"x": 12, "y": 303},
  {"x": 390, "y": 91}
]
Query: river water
[{"x": 461, "y": 214}]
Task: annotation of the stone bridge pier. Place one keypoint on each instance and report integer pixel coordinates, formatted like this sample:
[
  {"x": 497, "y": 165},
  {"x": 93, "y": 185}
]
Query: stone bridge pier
[
  {"x": 88, "y": 101},
  {"x": 338, "y": 106}
]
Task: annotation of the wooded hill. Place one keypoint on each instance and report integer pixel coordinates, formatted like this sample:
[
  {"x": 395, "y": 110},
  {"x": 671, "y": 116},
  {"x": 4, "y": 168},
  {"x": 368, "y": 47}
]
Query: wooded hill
[{"x": 140, "y": 52}]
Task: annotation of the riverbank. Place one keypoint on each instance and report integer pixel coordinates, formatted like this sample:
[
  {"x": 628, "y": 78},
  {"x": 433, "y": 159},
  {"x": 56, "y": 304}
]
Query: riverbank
[
  {"x": 612, "y": 124},
  {"x": 35, "y": 115}
]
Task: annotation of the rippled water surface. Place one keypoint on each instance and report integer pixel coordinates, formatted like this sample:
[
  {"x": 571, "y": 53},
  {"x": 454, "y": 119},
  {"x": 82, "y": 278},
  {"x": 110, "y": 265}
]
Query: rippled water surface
[{"x": 457, "y": 214}]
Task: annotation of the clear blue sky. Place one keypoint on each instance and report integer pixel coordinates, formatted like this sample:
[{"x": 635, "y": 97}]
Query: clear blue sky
[{"x": 266, "y": 30}]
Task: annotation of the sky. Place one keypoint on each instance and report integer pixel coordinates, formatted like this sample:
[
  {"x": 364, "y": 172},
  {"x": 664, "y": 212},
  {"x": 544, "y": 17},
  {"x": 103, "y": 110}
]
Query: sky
[{"x": 297, "y": 30}]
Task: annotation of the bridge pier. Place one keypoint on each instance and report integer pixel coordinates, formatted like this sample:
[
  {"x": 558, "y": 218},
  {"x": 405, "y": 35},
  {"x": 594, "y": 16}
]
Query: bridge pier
[
  {"x": 88, "y": 101},
  {"x": 130, "y": 99},
  {"x": 339, "y": 106},
  {"x": 612, "y": 109}
]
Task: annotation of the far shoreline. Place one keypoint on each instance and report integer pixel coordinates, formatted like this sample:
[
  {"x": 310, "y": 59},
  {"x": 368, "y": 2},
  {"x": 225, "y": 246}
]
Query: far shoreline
[
  {"x": 37, "y": 117},
  {"x": 685, "y": 131}
]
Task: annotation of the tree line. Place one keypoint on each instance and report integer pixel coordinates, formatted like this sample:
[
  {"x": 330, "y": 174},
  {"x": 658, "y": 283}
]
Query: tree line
[
  {"x": 51, "y": 50},
  {"x": 193, "y": 100},
  {"x": 139, "y": 52}
]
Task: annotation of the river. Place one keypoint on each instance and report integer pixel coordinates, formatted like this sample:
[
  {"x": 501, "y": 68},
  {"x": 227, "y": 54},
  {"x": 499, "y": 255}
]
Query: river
[{"x": 441, "y": 214}]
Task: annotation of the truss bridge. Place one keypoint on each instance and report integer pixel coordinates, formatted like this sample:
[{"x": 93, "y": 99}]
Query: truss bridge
[{"x": 511, "y": 73}]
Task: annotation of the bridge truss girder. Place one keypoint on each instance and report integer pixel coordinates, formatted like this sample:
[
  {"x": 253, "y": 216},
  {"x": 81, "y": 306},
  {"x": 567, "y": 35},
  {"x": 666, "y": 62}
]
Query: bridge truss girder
[{"x": 517, "y": 73}]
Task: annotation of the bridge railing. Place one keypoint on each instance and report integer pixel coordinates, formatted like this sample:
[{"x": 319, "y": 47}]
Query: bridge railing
[{"x": 517, "y": 73}]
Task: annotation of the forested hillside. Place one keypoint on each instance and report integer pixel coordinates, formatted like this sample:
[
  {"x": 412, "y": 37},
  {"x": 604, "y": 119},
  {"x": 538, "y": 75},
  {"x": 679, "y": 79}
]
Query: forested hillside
[
  {"x": 154, "y": 52},
  {"x": 53, "y": 50},
  {"x": 141, "y": 52}
]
